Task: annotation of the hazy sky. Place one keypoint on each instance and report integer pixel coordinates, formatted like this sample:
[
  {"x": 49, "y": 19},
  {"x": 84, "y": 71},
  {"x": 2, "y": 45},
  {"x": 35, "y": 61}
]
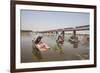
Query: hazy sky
[{"x": 46, "y": 20}]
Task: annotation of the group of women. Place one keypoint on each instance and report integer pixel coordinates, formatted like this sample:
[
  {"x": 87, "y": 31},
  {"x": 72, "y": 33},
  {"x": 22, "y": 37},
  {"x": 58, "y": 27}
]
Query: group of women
[{"x": 43, "y": 46}]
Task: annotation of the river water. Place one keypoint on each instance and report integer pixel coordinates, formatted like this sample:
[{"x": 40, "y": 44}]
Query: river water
[{"x": 69, "y": 51}]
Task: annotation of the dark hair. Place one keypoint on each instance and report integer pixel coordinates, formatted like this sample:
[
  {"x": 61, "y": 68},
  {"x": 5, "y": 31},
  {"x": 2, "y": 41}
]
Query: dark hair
[{"x": 38, "y": 39}]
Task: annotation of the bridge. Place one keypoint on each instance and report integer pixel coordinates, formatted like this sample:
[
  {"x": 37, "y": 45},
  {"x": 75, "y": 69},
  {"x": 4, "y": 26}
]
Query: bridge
[{"x": 74, "y": 29}]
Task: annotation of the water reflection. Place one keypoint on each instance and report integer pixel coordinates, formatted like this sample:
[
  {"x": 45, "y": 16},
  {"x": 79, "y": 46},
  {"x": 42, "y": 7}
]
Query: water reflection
[
  {"x": 60, "y": 48},
  {"x": 74, "y": 41},
  {"x": 36, "y": 52},
  {"x": 57, "y": 52},
  {"x": 75, "y": 45}
]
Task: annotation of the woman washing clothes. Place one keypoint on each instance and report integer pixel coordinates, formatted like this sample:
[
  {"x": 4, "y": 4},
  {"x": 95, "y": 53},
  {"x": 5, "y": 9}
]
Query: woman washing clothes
[
  {"x": 40, "y": 45},
  {"x": 60, "y": 39}
]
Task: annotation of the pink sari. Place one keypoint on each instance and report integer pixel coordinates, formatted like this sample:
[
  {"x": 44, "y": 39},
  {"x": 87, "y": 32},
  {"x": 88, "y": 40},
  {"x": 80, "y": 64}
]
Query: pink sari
[{"x": 42, "y": 46}]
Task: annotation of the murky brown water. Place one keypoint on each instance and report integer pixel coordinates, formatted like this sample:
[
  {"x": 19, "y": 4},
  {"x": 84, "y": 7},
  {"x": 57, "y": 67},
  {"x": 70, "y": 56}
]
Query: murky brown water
[{"x": 69, "y": 51}]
